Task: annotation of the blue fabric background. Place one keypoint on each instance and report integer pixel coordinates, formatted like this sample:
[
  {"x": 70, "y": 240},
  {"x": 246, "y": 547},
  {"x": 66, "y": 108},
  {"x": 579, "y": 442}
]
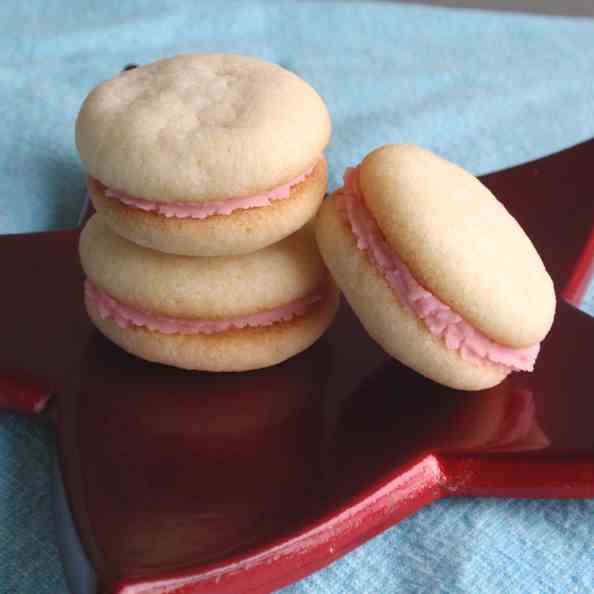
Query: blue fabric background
[{"x": 485, "y": 90}]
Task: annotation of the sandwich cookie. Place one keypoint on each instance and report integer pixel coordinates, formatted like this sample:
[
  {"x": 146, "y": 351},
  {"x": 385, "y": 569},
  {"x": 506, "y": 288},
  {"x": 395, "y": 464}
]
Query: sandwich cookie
[
  {"x": 205, "y": 154},
  {"x": 436, "y": 269},
  {"x": 230, "y": 313}
]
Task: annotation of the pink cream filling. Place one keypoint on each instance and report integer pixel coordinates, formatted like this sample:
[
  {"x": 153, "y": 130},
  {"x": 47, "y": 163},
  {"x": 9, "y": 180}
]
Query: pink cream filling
[
  {"x": 125, "y": 316},
  {"x": 440, "y": 319},
  {"x": 202, "y": 210}
]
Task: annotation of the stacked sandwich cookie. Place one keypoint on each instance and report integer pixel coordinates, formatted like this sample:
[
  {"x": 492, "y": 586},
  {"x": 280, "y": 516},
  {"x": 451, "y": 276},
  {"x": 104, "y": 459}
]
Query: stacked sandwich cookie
[{"x": 205, "y": 171}]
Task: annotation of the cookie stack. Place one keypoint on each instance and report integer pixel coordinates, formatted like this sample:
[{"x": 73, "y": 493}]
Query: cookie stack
[{"x": 205, "y": 171}]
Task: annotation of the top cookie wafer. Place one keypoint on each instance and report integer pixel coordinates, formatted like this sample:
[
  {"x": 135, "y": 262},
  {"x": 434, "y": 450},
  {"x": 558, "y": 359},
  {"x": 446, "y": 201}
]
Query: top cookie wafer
[
  {"x": 459, "y": 242},
  {"x": 201, "y": 127}
]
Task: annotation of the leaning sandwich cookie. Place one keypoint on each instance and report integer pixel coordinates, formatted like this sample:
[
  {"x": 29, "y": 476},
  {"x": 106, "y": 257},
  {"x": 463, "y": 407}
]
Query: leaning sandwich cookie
[
  {"x": 231, "y": 313},
  {"x": 205, "y": 154},
  {"x": 436, "y": 269}
]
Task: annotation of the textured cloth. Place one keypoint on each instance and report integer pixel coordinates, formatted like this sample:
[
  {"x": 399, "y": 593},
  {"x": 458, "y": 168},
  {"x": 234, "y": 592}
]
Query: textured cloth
[{"x": 485, "y": 90}]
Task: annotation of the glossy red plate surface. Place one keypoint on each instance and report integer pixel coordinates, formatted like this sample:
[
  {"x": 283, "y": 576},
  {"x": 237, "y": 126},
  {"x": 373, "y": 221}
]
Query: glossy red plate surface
[{"x": 226, "y": 483}]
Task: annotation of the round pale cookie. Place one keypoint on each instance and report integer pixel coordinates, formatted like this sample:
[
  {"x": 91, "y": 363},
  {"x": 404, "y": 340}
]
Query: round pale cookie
[
  {"x": 241, "y": 232},
  {"x": 459, "y": 242},
  {"x": 397, "y": 331},
  {"x": 202, "y": 128},
  {"x": 214, "y": 290}
]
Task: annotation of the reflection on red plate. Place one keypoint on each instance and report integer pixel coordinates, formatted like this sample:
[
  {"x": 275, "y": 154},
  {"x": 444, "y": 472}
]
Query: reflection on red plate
[
  {"x": 226, "y": 483},
  {"x": 500, "y": 419},
  {"x": 202, "y": 464}
]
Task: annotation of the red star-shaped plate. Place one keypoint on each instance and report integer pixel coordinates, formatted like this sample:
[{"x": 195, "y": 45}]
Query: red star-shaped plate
[{"x": 195, "y": 482}]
